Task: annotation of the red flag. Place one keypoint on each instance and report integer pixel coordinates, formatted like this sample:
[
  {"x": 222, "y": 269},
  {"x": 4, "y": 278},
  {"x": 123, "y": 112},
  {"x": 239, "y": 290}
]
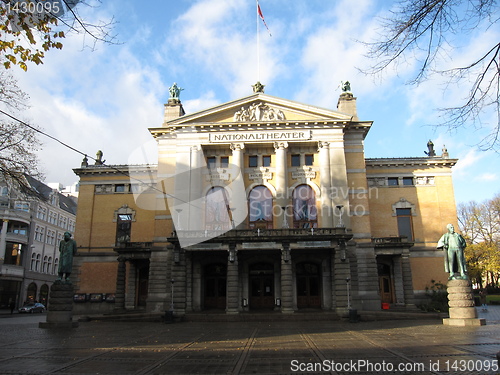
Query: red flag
[{"x": 259, "y": 11}]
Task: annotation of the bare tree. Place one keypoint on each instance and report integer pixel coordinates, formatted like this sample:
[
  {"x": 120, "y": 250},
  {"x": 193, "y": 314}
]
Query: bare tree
[
  {"x": 18, "y": 142},
  {"x": 29, "y": 28},
  {"x": 422, "y": 30}
]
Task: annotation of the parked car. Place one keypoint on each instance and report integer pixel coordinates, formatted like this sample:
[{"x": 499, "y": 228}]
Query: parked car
[{"x": 32, "y": 308}]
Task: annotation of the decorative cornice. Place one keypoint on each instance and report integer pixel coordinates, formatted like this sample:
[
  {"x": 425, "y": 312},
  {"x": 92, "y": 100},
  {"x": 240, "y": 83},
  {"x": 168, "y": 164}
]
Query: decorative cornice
[{"x": 410, "y": 162}]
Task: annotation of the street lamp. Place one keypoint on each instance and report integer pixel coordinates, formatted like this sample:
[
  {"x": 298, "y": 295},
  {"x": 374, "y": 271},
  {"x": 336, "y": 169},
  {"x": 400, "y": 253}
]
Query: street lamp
[
  {"x": 285, "y": 221},
  {"x": 172, "y": 296},
  {"x": 341, "y": 223}
]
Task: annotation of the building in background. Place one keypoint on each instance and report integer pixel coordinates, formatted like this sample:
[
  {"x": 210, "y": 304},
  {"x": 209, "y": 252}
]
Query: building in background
[
  {"x": 29, "y": 241},
  {"x": 262, "y": 203}
]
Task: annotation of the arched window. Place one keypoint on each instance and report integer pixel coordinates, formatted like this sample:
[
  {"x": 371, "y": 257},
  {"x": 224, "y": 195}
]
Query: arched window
[
  {"x": 32, "y": 290},
  {"x": 56, "y": 265},
  {"x": 33, "y": 262},
  {"x": 45, "y": 264},
  {"x": 49, "y": 268},
  {"x": 260, "y": 208},
  {"x": 305, "y": 214},
  {"x": 217, "y": 210},
  {"x": 44, "y": 294},
  {"x": 37, "y": 266}
]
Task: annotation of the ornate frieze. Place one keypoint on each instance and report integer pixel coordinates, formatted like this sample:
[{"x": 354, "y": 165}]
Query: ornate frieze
[{"x": 258, "y": 112}]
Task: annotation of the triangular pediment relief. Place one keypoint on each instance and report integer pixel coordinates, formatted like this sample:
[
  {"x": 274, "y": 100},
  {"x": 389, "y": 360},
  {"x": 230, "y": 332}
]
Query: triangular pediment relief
[{"x": 261, "y": 108}]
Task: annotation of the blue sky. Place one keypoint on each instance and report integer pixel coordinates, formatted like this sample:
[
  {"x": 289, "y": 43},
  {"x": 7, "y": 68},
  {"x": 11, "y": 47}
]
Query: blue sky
[{"x": 106, "y": 99}]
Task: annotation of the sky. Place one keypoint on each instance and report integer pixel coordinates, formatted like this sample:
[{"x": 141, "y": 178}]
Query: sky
[{"x": 106, "y": 97}]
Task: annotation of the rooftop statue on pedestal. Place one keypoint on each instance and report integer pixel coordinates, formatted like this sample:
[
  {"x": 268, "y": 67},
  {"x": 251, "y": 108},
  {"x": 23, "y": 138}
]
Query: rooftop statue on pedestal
[
  {"x": 175, "y": 91},
  {"x": 346, "y": 86},
  {"x": 453, "y": 245},
  {"x": 430, "y": 147},
  {"x": 258, "y": 87}
]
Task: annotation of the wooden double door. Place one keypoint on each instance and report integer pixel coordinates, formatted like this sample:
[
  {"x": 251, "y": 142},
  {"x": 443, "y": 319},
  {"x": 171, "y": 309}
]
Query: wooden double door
[
  {"x": 215, "y": 286},
  {"x": 308, "y": 285},
  {"x": 261, "y": 285}
]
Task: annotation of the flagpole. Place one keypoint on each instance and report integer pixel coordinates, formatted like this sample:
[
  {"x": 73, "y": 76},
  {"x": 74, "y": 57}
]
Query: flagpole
[{"x": 258, "y": 39}]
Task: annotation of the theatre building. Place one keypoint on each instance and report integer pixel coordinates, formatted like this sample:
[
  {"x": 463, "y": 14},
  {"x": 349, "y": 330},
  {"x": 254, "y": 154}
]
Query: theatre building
[{"x": 261, "y": 204}]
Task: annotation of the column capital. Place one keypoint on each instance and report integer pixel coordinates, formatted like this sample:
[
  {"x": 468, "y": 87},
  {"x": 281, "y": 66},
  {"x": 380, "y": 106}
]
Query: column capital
[
  {"x": 280, "y": 145},
  {"x": 195, "y": 148},
  {"x": 237, "y": 146},
  {"x": 323, "y": 145}
]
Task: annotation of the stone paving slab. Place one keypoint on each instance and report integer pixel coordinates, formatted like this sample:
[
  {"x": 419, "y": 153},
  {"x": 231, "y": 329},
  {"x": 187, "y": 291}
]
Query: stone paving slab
[{"x": 295, "y": 347}]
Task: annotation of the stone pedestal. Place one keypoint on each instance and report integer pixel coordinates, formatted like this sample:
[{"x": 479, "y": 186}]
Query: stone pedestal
[
  {"x": 60, "y": 313},
  {"x": 461, "y": 303}
]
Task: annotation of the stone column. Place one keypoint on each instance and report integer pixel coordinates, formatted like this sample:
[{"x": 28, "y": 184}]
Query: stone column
[
  {"x": 195, "y": 190},
  {"x": 326, "y": 185},
  {"x": 159, "y": 281},
  {"x": 407, "y": 279},
  {"x": 368, "y": 283},
  {"x": 120, "y": 284},
  {"x": 179, "y": 287},
  {"x": 281, "y": 179},
  {"x": 3, "y": 240},
  {"x": 237, "y": 177},
  {"x": 232, "y": 292},
  {"x": 286, "y": 280},
  {"x": 461, "y": 303},
  {"x": 340, "y": 274}
]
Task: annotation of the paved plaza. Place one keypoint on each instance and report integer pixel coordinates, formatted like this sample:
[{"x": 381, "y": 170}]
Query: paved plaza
[{"x": 422, "y": 346}]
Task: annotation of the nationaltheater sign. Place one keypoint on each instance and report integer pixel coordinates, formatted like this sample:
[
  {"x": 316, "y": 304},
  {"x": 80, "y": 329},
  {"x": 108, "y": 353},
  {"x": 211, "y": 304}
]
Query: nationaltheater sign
[{"x": 263, "y": 136}]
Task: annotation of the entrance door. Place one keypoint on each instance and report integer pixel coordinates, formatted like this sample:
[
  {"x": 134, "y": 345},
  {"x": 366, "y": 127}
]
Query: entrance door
[
  {"x": 215, "y": 286},
  {"x": 142, "y": 282},
  {"x": 385, "y": 283},
  {"x": 385, "y": 289},
  {"x": 262, "y": 286},
  {"x": 308, "y": 286}
]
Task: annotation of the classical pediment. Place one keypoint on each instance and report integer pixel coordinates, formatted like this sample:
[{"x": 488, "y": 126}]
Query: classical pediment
[{"x": 260, "y": 108}]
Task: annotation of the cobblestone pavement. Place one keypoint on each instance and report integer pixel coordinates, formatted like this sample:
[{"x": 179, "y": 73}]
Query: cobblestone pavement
[{"x": 383, "y": 347}]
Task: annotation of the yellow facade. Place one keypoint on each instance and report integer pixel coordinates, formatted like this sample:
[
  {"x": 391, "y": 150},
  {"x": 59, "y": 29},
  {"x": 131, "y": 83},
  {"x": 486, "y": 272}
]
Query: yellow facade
[{"x": 263, "y": 203}]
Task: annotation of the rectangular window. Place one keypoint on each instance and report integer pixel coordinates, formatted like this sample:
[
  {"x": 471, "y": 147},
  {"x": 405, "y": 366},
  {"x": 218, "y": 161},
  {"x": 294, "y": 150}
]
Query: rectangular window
[
  {"x": 392, "y": 181},
  {"x": 224, "y": 161},
  {"x": 295, "y": 160},
  {"x": 309, "y": 159},
  {"x": 22, "y": 206},
  {"x": 405, "y": 227},
  {"x": 120, "y": 188},
  {"x": 211, "y": 160},
  {"x": 408, "y": 181},
  {"x": 123, "y": 228},
  {"x": 252, "y": 161},
  {"x": 266, "y": 161}
]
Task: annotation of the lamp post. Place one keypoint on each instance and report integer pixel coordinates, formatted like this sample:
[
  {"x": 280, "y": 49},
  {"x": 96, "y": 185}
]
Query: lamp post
[
  {"x": 172, "y": 296},
  {"x": 341, "y": 223},
  {"x": 285, "y": 221},
  {"x": 348, "y": 294}
]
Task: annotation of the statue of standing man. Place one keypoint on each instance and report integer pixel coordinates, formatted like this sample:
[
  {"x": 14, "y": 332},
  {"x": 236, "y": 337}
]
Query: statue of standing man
[
  {"x": 453, "y": 245},
  {"x": 67, "y": 248}
]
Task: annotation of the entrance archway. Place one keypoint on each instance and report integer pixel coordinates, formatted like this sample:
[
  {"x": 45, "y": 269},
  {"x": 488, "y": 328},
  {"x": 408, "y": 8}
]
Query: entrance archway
[
  {"x": 31, "y": 293},
  {"x": 308, "y": 285},
  {"x": 261, "y": 286},
  {"x": 215, "y": 286}
]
